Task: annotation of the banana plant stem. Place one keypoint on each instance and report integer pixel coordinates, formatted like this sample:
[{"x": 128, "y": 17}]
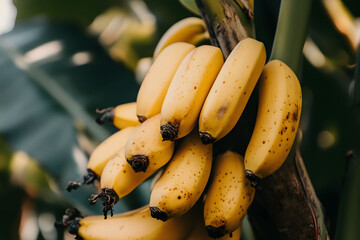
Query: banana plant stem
[{"x": 291, "y": 32}]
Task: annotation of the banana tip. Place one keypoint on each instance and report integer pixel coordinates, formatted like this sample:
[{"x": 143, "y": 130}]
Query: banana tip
[
  {"x": 70, "y": 220},
  {"x": 158, "y": 214},
  {"x": 254, "y": 180},
  {"x": 169, "y": 131},
  {"x": 215, "y": 232},
  {"x": 206, "y": 138},
  {"x": 139, "y": 163},
  {"x": 141, "y": 118}
]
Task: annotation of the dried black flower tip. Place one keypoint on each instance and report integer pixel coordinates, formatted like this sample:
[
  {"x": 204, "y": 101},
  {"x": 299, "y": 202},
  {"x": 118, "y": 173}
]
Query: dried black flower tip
[
  {"x": 72, "y": 186},
  {"x": 206, "y": 138},
  {"x": 255, "y": 181},
  {"x": 141, "y": 118},
  {"x": 158, "y": 214},
  {"x": 169, "y": 131},
  {"x": 91, "y": 177},
  {"x": 71, "y": 220},
  {"x": 94, "y": 197},
  {"x": 109, "y": 198},
  {"x": 139, "y": 163},
  {"x": 103, "y": 114},
  {"x": 215, "y": 232}
]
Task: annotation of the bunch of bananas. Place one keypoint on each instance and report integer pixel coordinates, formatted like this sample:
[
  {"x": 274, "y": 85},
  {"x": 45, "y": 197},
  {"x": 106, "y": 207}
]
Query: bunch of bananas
[{"x": 189, "y": 99}]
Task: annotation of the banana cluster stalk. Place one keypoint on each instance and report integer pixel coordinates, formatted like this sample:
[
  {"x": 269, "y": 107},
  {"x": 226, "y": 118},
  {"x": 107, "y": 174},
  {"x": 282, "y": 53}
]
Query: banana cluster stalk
[
  {"x": 229, "y": 196},
  {"x": 188, "y": 90},
  {"x": 101, "y": 155},
  {"x": 183, "y": 180},
  {"x": 136, "y": 224},
  {"x": 145, "y": 150},
  {"x": 190, "y": 30},
  {"x": 121, "y": 116},
  {"x": 231, "y": 90},
  {"x": 157, "y": 80},
  {"x": 277, "y": 121}
]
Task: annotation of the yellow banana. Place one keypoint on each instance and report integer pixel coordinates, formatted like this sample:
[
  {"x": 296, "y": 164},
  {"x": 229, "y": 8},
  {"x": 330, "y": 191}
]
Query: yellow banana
[
  {"x": 231, "y": 90},
  {"x": 277, "y": 121},
  {"x": 136, "y": 224},
  {"x": 190, "y": 30},
  {"x": 229, "y": 196},
  {"x": 183, "y": 180},
  {"x": 188, "y": 90},
  {"x": 145, "y": 150},
  {"x": 199, "y": 232},
  {"x": 102, "y": 154},
  {"x": 118, "y": 179},
  {"x": 156, "y": 82},
  {"x": 121, "y": 116}
]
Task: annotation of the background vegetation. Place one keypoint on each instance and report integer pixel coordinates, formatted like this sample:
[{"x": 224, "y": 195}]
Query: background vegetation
[{"x": 64, "y": 59}]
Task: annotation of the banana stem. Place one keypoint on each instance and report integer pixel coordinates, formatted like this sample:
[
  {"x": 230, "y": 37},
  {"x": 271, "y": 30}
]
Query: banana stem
[
  {"x": 226, "y": 22},
  {"x": 291, "y": 32}
]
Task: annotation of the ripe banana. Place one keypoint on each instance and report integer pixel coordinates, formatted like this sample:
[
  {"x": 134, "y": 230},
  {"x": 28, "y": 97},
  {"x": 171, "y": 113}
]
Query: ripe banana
[
  {"x": 229, "y": 196},
  {"x": 118, "y": 180},
  {"x": 231, "y": 90},
  {"x": 121, "y": 116},
  {"x": 199, "y": 232},
  {"x": 188, "y": 90},
  {"x": 277, "y": 121},
  {"x": 145, "y": 150},
  {"x": 135, "y": 224},
  {"x": 190, "y": 30},
  {"x": 183, "y": 180},
  {"x": 156, "y": 82},
  {"x": 102, "y": 154}
]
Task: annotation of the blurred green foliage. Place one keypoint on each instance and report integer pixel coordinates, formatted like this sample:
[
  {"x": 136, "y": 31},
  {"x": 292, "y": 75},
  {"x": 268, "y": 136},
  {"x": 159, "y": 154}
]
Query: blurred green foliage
[{"x": 35, "y": 121}]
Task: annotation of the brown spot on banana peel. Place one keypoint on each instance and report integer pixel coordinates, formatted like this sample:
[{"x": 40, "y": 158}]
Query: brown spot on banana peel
[
  {"x": 222, "y": 110},
  {"x": 139, "y": 162},
  {"x": 158, "y": 214},
  {"x": 169, "y": 131}
]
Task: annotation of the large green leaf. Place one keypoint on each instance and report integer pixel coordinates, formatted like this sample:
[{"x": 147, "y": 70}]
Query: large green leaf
[{"x": 42, "y": 98}]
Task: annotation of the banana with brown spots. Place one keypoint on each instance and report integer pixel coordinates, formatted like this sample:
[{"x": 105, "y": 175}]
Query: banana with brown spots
[
  {"x": 229, "y": 196},
  {"x": 188, "y": 90},
  {"x": 277, "y": 121},
  {"x": 157, "y": 80},
  {"x": 145, "y": 150},
  {"x": 183, "y": 180},
  {"x": 231, "y": 90}
]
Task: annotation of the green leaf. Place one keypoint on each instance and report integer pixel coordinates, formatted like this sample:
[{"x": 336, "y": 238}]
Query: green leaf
[
  {"x": 191, "y": 5},
  {"x": 52, "y": 77}
]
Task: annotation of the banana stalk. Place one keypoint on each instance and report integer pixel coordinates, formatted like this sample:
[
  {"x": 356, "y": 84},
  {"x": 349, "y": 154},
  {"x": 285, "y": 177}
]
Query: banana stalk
[
  {"x": 290, "y": 185},
  {"x": 227, "y": 22}
]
